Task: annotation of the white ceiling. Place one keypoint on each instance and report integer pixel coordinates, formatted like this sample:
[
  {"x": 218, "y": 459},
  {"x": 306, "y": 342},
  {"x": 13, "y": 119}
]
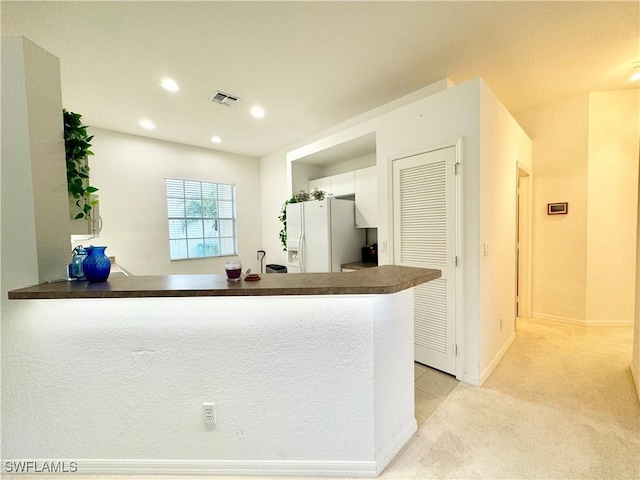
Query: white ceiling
[{"x": 312, "y": 65}]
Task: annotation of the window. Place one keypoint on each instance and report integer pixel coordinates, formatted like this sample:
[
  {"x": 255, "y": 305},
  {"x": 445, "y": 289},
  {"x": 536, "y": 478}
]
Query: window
[{"x": 202, "y": 219}]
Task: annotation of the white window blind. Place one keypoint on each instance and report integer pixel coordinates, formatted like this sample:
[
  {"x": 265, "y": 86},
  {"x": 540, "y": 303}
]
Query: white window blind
[{"x": 202, "y": 219}]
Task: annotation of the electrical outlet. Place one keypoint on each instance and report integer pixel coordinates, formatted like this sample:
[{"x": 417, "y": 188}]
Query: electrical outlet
[
  {"x": 209, "y": 413},
  {"x": 501, "y": 324}
]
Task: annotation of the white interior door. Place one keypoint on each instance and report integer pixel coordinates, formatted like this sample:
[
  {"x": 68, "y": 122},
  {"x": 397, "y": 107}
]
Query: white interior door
[{"x": 424, "y": 217}]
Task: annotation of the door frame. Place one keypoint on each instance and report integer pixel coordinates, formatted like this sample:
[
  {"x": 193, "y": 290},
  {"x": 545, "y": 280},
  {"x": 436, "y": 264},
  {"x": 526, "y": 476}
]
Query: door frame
[
  {"x": 459, "y": 323},
  {"x": 524, "y": 230}
]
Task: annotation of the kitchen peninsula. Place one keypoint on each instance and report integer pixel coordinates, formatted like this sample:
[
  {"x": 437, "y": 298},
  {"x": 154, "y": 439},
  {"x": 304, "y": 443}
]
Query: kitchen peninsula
[{"x": 311, "y": 374}]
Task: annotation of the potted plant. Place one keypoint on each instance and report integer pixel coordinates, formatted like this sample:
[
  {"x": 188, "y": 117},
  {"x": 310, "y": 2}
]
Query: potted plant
[{"x": 77, "y": 149}]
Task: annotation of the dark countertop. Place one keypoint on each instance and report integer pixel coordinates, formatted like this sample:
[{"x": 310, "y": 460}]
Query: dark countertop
[
  {"x": 377, "y": 280},
  {"x": 358, "y": 265}
]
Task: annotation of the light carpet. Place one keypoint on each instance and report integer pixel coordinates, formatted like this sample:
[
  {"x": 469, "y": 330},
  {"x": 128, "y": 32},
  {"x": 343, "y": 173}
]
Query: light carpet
[{"x": 560, "y": 405}]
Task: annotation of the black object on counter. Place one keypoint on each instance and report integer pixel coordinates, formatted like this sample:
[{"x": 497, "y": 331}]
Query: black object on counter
[
  {"x": 370, "y": 253},
  {"x": 274, "y": 268}
]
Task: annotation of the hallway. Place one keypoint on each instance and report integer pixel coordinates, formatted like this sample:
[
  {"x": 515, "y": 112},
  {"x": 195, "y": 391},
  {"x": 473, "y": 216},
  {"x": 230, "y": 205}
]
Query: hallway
[{"x": 560, "y": 405}]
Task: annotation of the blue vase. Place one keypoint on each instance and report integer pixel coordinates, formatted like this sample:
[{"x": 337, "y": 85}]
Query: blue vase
[{"x": 96, "y": 266}]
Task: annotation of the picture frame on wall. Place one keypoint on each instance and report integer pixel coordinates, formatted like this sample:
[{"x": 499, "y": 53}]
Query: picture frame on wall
[{"x": 558, "y": 208}]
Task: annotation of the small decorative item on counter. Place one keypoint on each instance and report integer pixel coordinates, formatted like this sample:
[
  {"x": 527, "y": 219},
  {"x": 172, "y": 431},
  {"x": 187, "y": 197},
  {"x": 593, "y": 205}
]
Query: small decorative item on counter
[
  {"x": 234, "y": 270},
  {"x": 97, "y": 265},
  {"x": 74, "y": 269},
  {"x": 252, "y": 277}
]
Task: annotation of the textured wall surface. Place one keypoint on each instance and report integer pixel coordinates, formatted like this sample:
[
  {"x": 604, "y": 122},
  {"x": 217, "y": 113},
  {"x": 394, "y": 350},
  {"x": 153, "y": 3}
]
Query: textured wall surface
[{"x": 292, "y": 378}]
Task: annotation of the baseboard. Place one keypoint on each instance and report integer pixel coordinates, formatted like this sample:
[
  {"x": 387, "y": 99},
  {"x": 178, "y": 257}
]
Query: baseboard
[
  {"x": 475, "y": 381},
  {"x": 636, "y": 378},
  {"x": 582, "y": 322},
  {"x": 396, "y": 445},
  {"x": 192, "y": 467},
  {"x": 496, "y": 359}
]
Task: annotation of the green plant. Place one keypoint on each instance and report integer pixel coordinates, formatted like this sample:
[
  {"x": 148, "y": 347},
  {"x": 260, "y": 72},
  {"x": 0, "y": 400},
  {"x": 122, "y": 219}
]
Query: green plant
[
  {"x": 283, "y": 219},
  {"x": 302, "y": 196},
  {"x": 318, "y": 194},
  {"x": 77, "y": 148}
]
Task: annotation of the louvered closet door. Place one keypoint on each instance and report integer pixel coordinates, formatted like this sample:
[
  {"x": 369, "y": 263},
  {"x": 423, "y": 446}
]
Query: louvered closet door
[{"x": 424, "y": 236}]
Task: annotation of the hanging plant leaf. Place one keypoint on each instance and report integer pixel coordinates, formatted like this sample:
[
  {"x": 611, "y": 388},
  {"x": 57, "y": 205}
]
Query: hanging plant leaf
[{"x": 77, "y": 146}]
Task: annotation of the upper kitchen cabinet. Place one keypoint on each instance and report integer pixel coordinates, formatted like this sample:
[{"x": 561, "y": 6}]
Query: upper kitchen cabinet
[
  {"x": 342, "y": 184},
  {"x": 366, "y": 190},
  {"x": 323, "y": 184}
]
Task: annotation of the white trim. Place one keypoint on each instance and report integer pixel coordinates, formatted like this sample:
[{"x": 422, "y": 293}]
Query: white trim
[
  {"x": 361, "y": 469},
  {"x": 475, "y": 381},
  {"x": 636, "y": 378},
  {"x": 460, "y": 293},
  {"x": 396, "y": 445},
  {"x": 526, "y": 241},
  {"x": 494, "y": 363},
  {"x": 581, "y": 322}
]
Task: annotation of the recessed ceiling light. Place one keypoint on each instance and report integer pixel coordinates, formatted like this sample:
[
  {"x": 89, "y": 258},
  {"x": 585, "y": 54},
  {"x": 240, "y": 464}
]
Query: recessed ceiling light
[
  {"x": 148, "y": 124},
  {"x": 170, "y": 85},
  {"x": 257, "y": 112},
  {"x": 216, "y": 139}
]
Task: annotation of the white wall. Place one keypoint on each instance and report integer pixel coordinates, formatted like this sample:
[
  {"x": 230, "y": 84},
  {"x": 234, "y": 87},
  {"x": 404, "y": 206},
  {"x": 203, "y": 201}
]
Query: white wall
[
  {"x": 300, "y": 175},
  {"x": 635, "y": 359},
  {"x": 127, "y": 378},
  {"x": 35, "y": 213},
  {"x": 440, "y": 118},
  {"x": 503, "y": 147},
  {"x": 274, "y": 192},
  {"x": 315, "y": 385},
  {"x": 559, "y": 134},
  {"x": 585, "y": 151},
  {"x": 130, "y": 173},
  {"x": 349, "y": 165},
  {"x": 493, "y": 144},
  {"x": 612, "y": 203}
]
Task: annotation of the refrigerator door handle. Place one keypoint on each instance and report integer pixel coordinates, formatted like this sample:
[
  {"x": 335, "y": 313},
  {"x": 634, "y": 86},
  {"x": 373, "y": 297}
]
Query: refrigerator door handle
[{"x": 301, "y": 251}]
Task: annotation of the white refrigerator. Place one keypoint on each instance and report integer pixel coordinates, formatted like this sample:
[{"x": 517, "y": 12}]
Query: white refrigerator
[{"x": 321, "y": 235}]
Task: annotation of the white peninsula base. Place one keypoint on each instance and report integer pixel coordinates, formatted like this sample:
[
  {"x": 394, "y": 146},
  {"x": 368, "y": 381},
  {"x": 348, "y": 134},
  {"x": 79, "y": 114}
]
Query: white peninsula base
[{"x": 303, "y": 385}]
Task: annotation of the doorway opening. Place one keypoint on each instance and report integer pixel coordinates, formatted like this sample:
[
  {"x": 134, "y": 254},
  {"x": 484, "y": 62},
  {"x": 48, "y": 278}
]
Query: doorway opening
[{"x": 523, "y": 243}]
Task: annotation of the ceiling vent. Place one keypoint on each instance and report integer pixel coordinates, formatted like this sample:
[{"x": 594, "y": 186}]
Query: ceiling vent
[{"x": 224, "y": 99}]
